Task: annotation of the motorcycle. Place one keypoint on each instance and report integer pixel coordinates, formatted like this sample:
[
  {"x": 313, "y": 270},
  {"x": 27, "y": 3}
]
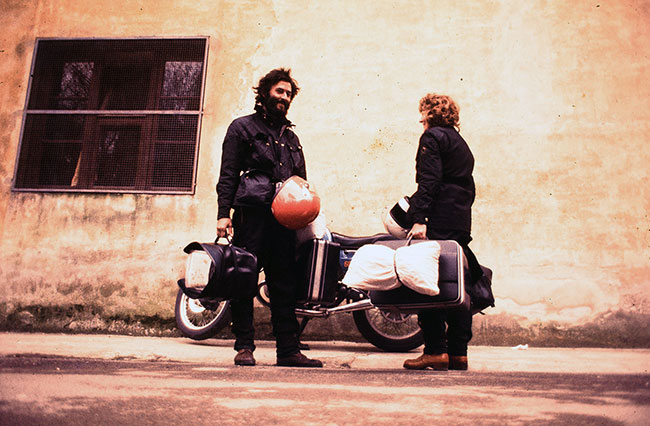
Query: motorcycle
[{"x": 392, "y": 331}]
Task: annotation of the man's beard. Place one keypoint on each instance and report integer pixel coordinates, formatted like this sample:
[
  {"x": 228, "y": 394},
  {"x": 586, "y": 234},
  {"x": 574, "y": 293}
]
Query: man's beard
[{"x": 272, "y": 104}]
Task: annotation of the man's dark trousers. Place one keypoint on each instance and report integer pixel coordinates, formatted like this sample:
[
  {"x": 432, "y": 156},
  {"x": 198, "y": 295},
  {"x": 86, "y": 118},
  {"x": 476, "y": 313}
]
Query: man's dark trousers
[{"x": 256, "y": 230}]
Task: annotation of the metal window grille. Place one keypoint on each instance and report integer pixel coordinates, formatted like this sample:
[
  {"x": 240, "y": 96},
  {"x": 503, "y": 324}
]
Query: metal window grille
[{"x": 115, "y": 115}]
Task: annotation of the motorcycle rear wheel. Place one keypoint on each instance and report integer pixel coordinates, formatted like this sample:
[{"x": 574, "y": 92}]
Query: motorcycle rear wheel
[
  {"x": 390, "y": 331},
  {"x": 198, "y": 321}
]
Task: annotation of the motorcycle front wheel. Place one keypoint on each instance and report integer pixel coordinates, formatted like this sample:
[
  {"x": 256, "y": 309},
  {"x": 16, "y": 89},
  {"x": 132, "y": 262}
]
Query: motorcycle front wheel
[
  {"x": 200, "y": 320},
  {"x": 390, "y": 331}
]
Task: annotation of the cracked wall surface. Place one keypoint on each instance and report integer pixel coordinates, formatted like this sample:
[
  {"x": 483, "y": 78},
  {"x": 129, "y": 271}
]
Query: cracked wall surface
[{"x": 554, "y": 104}]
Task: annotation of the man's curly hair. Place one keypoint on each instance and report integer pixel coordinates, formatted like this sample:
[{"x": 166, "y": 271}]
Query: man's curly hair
[
  {"x": 441, "y": 110},
  {"x": 271, "y": 79}
]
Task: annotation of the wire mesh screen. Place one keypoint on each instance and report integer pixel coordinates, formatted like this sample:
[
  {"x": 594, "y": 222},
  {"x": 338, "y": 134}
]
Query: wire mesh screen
[
  {"x": 113, "y": 115},
  {"x": 90, "y": 151}
]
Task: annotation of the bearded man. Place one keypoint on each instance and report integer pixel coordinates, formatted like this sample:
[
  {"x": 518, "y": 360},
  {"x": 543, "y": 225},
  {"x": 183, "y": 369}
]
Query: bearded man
[{"x": 260, "y": 150}]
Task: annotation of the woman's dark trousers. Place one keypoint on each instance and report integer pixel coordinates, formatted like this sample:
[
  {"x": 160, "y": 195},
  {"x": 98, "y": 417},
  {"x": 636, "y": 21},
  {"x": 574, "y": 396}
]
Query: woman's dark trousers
[{"x": 449, "y": 330}]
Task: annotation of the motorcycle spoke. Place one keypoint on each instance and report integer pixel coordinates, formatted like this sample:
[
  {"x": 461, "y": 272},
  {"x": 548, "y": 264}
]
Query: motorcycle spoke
[
  {"x": 393, "y": 324},
  {"x": 197, "y": 315},
  {"x": 200, "y": 319}
]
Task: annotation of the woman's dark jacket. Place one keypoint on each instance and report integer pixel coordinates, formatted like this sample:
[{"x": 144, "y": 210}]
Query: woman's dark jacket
[
  {"x": 443, "y": 172},
  {"x": 253, "y": 142}
]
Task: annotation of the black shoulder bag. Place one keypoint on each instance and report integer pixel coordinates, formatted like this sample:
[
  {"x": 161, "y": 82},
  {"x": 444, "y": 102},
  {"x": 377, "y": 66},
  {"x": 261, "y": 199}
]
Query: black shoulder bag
[{"x": 255, "y": 188}]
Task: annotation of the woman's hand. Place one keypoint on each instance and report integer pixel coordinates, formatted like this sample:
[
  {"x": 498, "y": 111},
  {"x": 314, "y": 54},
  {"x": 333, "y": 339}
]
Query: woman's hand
[
  {"x": 418, "y": 232},
  {"x": 224, "y": 227}
]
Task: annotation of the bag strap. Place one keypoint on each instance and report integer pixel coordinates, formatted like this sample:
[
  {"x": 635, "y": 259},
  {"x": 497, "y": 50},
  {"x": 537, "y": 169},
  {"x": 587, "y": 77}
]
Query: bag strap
[
  {"x": 223, "y": 261},
  {"x": 231, "y": 251},
  {"x": 408, "y": 243}
]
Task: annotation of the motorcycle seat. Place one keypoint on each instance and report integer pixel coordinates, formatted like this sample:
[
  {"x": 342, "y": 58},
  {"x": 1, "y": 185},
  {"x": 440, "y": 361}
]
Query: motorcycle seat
[{"x": 347, "y": 242}]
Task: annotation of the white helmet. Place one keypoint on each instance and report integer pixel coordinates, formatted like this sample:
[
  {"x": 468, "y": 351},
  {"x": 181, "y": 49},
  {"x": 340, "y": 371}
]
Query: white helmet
[{"x": 395, "y": 220}]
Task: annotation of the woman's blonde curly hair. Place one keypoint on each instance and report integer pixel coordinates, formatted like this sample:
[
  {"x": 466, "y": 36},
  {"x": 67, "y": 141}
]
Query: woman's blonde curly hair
[{"x": 441, "y": 110}]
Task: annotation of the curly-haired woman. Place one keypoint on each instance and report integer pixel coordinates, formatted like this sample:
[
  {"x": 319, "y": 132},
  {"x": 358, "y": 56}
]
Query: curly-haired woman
[{"x": 441, "y": 209}]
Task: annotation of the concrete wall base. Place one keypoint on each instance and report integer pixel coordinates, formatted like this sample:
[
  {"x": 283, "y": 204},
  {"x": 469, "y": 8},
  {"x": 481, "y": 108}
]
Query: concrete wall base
[{"x": 612, "y": 330}]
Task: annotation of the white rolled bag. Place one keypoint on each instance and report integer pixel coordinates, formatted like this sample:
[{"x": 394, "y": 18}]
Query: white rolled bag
[
  {"x": 372, "y": 268},
  {"x": 377, "y": 267}
]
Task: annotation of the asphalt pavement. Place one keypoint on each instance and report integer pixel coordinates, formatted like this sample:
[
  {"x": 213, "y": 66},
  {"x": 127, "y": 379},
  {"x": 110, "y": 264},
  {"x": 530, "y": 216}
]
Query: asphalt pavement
[
  {"x": 77, "y": 379},
  {"x": 334, "y": 354}
]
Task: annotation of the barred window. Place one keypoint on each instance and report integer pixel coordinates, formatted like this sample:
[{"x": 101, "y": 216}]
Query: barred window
[{"x": 113, "y": 115}]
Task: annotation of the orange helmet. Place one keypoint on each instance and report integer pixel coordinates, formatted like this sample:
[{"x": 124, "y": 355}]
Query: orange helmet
[{"x": 295, "y": 205}]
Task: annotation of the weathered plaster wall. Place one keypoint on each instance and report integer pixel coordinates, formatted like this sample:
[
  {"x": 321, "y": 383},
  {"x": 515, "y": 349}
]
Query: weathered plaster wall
[{"x": 554, "y": 102}]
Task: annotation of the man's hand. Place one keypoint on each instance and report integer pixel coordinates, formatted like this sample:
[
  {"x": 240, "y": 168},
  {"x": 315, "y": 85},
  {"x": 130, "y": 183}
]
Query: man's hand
[
  {"x": 224, "y": 227},
  {"x": 418, "y": 232}
]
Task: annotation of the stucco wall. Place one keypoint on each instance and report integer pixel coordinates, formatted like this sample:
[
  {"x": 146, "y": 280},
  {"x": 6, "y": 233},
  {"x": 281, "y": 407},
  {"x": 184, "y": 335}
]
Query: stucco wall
[{"x": 554, "y": 101}]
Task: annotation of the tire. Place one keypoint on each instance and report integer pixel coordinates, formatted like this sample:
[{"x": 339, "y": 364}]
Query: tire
[
  {"x": 262, "y": 295},
  {"x": 200, "y": 322},
  {"x": 390, "y": 331}
]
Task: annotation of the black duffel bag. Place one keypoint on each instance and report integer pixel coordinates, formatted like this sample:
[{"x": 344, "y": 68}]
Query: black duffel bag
[
  {"x": 233, "y": 272},
  {"x": 480, "y": 292}
]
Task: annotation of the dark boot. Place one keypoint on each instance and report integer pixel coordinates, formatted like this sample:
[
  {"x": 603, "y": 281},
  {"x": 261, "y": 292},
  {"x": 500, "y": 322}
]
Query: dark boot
[
  {"x": 458, "y": 362},
  {"x": 244, "y": 357},
  {"x": 298, "y": 360}
]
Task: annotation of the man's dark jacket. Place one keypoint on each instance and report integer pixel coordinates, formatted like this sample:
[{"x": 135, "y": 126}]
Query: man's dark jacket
[
  {"x": 446, "y": 191},
  {"x": 254, "y": 142}
]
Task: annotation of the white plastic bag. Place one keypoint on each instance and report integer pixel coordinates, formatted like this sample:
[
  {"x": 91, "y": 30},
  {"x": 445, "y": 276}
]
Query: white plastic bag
[
  {"x": 417, "y": 267},
  {"x": 317, "y": 229},
  {"x": 372, "y": 268},
  {"x": 197, "y": 269}
]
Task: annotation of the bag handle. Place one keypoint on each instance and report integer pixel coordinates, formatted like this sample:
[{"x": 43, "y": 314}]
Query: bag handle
[
  {"x": 231, "y": 250},
  {"x": 227, "y": 237}
]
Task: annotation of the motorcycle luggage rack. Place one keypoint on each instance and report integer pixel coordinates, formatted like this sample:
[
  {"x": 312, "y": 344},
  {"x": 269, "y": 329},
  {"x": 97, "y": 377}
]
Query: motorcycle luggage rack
[{"x": 350, "y": 307}]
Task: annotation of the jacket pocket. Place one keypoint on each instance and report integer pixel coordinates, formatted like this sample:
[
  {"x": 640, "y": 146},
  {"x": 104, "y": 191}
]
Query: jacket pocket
[
  {"x": 297, "y": 157},
  {"x": 261, "y": 152}
]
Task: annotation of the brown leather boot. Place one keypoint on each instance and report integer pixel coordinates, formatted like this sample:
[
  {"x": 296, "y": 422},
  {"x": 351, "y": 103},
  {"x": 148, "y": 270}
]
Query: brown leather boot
[
  {"x": 437, "y": 362},
  {"x": 457, "y": 362},
  {"x": 299, "y": 360},
  {"x": 244, "y": 357}
]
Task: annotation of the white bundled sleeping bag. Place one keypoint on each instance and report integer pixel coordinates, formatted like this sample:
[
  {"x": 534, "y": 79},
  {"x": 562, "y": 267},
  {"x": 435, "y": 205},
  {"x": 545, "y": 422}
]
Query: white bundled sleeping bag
[
  {"x": 377, "y": 267},
  {"x": 372, "y": 268},
  {"x": 417, "y": 267}
]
